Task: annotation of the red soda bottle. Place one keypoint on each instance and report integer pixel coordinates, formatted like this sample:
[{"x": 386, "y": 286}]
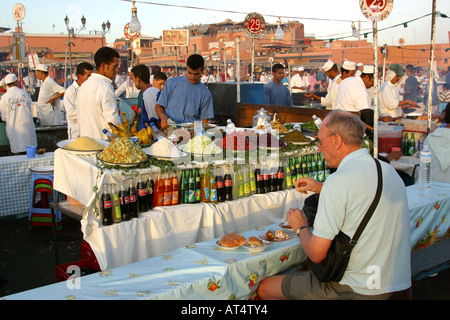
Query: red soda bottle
[{"x": 175, "y": 189}]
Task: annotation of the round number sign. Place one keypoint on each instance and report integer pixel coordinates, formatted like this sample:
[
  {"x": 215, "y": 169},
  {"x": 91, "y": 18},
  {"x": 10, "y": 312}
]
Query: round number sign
[
  {"x": 376, "y": 10},
  {"x": 18, "y": 12},
  {"x": 254, "y": 24},
  {"x": 129, "y": 34}
]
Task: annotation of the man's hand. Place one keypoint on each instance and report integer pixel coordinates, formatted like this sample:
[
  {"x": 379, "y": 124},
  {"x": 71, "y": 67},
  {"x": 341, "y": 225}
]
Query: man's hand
[
  {"x": 296, "y": 218},
  {"x": 304, "y": 185}
]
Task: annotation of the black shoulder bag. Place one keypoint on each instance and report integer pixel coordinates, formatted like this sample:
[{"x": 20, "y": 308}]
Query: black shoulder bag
[{"x": 333, "y": 267}]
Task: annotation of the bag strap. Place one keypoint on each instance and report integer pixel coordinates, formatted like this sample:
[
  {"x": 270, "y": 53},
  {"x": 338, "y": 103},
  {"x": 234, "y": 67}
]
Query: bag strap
[{"x": 372, "y": 207}]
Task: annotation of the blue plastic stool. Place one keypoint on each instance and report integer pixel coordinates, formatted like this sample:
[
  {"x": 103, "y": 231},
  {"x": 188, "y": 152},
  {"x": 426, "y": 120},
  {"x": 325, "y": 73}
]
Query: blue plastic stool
[{"x": 41, "y": 216}]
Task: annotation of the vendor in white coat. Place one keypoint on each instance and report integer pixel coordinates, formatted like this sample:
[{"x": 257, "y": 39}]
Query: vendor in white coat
[
  {"x": 48, "y": 104},
  {"x": 15, "y": 109},
  {"x": 390, "y": 106},
  {"x": 332, "y": 72},
  {"x": 96, "y": 104},
  {"x": 84, "y": 71}
]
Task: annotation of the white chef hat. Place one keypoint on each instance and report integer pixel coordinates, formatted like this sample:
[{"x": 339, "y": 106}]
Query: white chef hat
[
  {"x": 349, "y": 65},
  {"x": 328, "y": 65},
  {"x": 10, "y": 78},
  {"x": 301, "y": 69},
  {"x": 42, "y": 67},
  {"x": 368, "y": 69}
]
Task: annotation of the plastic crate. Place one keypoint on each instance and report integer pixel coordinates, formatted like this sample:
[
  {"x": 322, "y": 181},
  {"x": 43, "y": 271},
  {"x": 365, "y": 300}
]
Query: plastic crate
[
  {"x": 87, "y": 266},
  {"x": 87, "y": 253}
]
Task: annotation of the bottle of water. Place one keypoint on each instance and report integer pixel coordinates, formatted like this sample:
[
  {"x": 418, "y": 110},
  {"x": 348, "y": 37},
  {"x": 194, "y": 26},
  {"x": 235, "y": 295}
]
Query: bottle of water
[
  {"x": 425, "y": 168},
  {"x": 317, "y": 121},
  {"x": 155, "y": 132},
  {"x": 111, "y": 137}
]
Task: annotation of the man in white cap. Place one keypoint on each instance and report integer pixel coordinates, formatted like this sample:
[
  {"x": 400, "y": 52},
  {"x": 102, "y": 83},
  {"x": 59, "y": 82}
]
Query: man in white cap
[
  {"x": 128, "y": 87},
  {"x": 48, "y": 103},
  {"x": 332, "y": 72},
  {"x": 353, "y": 96},
  {"x": 299, "y": 82},
  {"x": 15, "y": 109},
  {"x": 390, "y": 105}
]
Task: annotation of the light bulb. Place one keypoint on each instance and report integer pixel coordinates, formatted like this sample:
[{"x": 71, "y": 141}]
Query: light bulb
[
  {"x": 355, "y": 31},
  {"x": 135, "y": 25},
  {"x": 279, "y": 34}
]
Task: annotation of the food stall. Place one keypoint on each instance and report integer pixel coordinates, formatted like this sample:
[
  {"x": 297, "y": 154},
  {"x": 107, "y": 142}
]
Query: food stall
[{"x": 170, "y": 226}]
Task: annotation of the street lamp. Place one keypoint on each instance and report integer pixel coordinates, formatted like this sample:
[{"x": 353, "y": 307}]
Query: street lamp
[{"x": 71, "y": 32}]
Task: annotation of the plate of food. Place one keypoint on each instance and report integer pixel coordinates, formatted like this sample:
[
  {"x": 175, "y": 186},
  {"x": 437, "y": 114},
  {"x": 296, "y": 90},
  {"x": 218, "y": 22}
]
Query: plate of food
[
  {"x": 122, "y": 152},
  {"x": 254, "y": 245},
  {"x": 83, "y": 145},
  {"x": 301, "y": 143},
  {"x": 286, "y": 227},
  {"x": 276, "y": 236},
  {"x": 231, "y": 241}
]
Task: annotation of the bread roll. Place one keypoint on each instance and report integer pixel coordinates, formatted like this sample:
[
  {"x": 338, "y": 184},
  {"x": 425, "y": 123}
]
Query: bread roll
[
  {"x": 232, "y": 240},
  {"x": 270, "y": 236},
  {"x": 255, "y": 242}
]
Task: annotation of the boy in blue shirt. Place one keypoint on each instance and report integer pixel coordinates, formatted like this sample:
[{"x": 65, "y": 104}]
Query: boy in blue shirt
[{"x": 275, "y": 93}]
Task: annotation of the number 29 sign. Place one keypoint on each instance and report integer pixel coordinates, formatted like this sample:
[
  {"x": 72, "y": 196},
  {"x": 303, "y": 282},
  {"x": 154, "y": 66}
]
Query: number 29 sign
[{"x": 254, "y": 24}]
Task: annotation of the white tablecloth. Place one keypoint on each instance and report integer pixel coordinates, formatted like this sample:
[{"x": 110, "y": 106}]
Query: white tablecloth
[{"x": 162, "y": 229}]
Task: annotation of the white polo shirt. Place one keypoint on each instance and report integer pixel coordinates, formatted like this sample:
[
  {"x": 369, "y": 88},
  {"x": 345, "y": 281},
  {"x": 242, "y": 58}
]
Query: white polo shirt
[{"x": 380, "y": 262}]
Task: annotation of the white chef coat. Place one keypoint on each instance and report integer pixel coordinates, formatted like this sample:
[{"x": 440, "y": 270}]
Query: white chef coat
[
  {"x": 49, "y": 115},
  {"x": 297, "y": 81},
  {"x": 15, "y": 109},
  {"x": 388, "y": 100},
  {"x": 130, "y": 90},
  {"x": 333, "y": 88},
  {"x": 70, "y": 97},
  {"x": 96, "y": 106},
  {"x": 352, "y": 95}
]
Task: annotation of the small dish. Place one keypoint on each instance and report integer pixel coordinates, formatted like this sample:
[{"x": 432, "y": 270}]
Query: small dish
[{"x": 253, "y": 249}]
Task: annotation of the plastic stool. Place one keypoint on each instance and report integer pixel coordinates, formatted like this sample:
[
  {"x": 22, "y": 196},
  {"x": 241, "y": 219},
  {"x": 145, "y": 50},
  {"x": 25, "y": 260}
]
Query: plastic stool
[{"x": 42, "y": 184}]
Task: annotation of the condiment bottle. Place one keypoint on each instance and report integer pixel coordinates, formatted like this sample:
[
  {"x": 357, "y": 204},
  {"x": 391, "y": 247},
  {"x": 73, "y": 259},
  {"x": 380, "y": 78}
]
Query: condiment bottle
[
  {"x": 235, "y": 186},
  {"x": 198, "y": 187},
  {"x": 252, "y": 180},
  {"x": 213, "y": 190},
  {"x": 191, "y": 184},
  {"x": 150, "y": 191},
  {"x": 184, "y": 188}
]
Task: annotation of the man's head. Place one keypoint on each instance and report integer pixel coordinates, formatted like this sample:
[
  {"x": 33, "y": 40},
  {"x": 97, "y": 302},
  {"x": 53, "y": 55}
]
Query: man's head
[
  {"x": 301, "y": 71},
  {"x": 330, "y": 68},
  {"x": 156, "y": 69},
  {"x": 367, "y": 76},
  {"x": 84, "y": 71},
  {"x": 11, "y": 80},
  {"x": 341, "y": 133},
  {"x": 395, "y": 73},
  {"x": 107, "y": 62},
  {"x": 348, "y": 69},
  {"x": 140, "y": 75},
  {"x": 278, "y": 72},
  {"x": 159, "y": 80},
  {"x": 409, "y": 70},
  {"x": 42, "y": 71},
  {"x": 195, "y": 64}
]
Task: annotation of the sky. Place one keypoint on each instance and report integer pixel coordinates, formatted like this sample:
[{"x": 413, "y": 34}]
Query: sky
[{"x": 326, "y": 19}]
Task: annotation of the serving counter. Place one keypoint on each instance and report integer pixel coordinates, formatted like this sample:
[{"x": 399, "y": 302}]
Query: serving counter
[{"x": 162, "y": 229}]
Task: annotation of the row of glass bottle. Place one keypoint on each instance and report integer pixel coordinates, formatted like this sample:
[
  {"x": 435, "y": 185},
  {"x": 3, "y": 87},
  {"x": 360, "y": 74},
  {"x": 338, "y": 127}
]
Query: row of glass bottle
[{"x": 206, "y": 184}]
